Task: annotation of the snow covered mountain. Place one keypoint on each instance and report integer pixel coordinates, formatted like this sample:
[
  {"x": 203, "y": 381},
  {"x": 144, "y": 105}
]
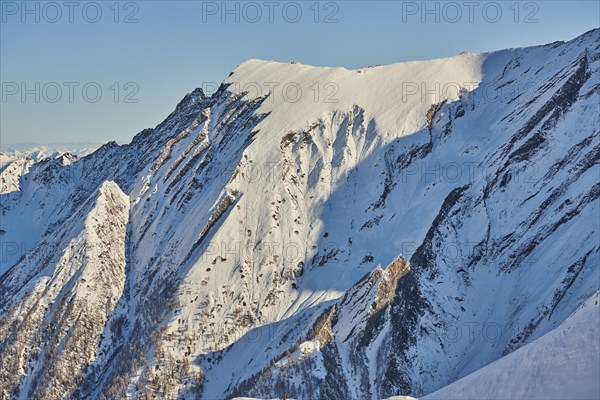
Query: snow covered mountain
[{"x": 320, "y": 232}]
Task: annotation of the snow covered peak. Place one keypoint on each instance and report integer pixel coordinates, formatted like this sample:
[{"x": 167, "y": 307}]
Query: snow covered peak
[{"x": 397, "y": 96}]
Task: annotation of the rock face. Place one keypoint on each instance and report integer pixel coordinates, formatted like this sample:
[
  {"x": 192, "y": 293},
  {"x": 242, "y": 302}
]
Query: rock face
[{"x": 387, "y": 235}]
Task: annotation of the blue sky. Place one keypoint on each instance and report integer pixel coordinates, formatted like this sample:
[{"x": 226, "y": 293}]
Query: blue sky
[{"x": 99, "y": 71}]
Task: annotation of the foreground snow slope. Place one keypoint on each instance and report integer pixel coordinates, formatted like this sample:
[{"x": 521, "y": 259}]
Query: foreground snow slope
[
  {"x": 563, "y": 364},
  {"x": 389, "y": 233}
]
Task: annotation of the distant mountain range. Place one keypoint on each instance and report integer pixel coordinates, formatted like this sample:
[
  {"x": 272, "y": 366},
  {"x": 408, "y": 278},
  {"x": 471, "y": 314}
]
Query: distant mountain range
[{"x": 38, "y": 151}]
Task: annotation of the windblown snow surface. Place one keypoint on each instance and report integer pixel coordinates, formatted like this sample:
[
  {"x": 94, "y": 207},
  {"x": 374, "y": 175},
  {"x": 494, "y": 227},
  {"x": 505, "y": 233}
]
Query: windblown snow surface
[
  {"x": 321, "y": 233},
  {"x": 562, "y": 364}
]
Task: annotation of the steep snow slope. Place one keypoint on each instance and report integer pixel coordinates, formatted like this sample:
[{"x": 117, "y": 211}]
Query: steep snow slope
[
  {"x": 256, "y": 223},
  {"x": 63, "y": 302},
  {"x": 562, "y": 364}
]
